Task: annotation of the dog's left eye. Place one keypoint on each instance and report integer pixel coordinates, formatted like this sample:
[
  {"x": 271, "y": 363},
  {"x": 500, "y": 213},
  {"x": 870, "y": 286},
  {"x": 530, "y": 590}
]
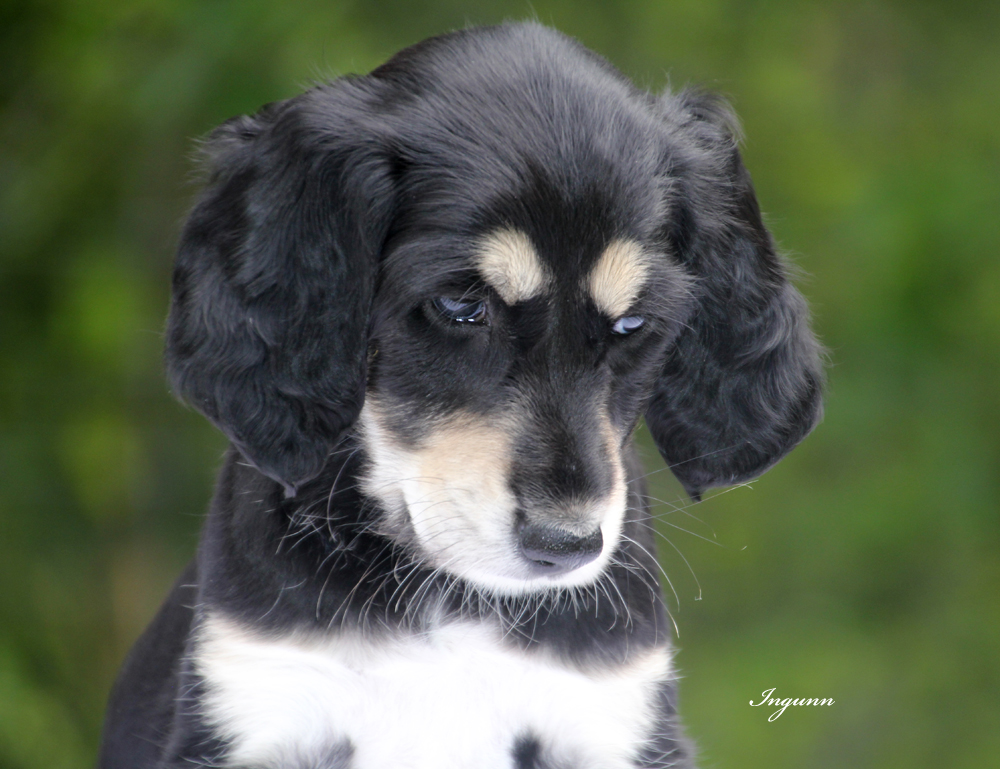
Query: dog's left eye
[
  {"x": 461, "y": 311},
  {"x": 628, "y": 324}
]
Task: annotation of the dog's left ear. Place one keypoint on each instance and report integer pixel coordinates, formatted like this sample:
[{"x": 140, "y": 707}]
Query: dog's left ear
[
  {"x": 275, "y": 276},
  {"x": 742, "y": 383}
]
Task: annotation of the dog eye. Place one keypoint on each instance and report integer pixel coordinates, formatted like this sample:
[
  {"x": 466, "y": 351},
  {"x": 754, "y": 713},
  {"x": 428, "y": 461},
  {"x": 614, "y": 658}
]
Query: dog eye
[
  {"x": 460, "y": 311},
  {"x": 628, "y": 324}
]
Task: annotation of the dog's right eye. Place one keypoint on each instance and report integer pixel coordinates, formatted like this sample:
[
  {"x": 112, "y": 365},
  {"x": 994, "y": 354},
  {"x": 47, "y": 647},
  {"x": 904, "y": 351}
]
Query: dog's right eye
[{"x": 461, "y": 311}]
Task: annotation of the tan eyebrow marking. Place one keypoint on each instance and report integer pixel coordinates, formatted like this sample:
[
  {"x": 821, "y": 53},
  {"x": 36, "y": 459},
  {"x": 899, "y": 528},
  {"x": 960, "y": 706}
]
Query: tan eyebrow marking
[
  {"x": 619, "y": 276},
  {"x": 509, "y": 263}
]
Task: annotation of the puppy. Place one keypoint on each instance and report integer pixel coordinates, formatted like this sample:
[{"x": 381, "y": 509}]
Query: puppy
[{"x": 429, "y": 306}]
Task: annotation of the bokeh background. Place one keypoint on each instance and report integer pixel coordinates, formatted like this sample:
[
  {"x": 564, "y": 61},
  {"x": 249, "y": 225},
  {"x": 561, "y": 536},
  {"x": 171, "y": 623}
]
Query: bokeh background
[{"x": 865, "y": 568}]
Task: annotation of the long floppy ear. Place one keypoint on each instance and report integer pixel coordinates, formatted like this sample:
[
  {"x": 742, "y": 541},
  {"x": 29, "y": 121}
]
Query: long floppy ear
[
  {"x": 274, "y": 279},
  {"x": 742, "y": 383}
]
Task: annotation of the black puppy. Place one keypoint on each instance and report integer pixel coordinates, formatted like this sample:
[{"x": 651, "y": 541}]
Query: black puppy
[{"x": 429, "y": 307}]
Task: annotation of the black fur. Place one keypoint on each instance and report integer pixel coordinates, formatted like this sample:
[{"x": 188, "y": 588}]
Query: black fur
[
  {"x": 741, "y": 386},
  {"x": 303, "y": 284},
  {"x": 275, "y": 276}
]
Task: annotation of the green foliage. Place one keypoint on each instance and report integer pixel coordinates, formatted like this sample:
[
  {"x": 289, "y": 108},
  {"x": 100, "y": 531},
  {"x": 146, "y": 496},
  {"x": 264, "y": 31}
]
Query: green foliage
[{"x": 865, "y": 568}]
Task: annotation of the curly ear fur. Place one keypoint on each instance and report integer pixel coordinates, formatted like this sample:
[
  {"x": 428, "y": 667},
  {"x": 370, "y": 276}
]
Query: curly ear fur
[
  {"x": 742, "y": 384},
  {"x": 275, "y": 275}
]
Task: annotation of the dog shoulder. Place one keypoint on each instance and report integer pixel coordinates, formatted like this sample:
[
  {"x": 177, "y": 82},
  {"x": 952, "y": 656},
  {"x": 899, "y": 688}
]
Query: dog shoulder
[{"x": 143, "y": 702}]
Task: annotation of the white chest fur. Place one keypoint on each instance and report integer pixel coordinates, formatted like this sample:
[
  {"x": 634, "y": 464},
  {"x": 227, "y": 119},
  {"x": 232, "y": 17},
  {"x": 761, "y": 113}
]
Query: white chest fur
[{"x": 455, "y": 698}]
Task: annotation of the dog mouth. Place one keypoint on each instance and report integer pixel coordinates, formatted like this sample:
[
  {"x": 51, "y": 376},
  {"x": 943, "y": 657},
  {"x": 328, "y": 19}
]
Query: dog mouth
[{"x": 504, "y": 553}]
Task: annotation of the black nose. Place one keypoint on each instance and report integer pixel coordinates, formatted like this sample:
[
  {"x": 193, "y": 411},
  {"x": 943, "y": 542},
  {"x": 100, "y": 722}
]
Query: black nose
[{"x": 555, "y": 551}]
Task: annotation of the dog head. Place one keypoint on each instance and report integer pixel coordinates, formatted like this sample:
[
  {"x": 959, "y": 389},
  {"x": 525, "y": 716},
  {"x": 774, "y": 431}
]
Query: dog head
[{"x": 486, "y": 261}]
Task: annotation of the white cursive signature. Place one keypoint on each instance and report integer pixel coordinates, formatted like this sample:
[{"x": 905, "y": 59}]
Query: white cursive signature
[{"x": 782, "y": 704}]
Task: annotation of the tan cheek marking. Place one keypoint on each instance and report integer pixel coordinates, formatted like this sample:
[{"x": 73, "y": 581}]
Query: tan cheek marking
[
  {"x": 465, "y": 456},
  {"x": 509, "y": 263},
  {"x": 619, "y": 491},
  {"x": 469, "y": 456},
  {"x": 618, "y": 277}
]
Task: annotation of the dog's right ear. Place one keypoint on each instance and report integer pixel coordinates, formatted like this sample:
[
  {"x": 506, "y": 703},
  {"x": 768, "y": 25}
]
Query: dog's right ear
[{"x": 275, "y": 275}]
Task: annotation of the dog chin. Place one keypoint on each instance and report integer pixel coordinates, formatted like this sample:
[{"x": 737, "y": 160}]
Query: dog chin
[{"x": 503, "y": 584}]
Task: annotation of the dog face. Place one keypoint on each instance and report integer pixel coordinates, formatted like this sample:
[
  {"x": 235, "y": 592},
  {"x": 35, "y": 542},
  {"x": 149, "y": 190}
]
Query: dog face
[
  {"x": 484, "y": 263},
  {"x": 503, "y": 386}
]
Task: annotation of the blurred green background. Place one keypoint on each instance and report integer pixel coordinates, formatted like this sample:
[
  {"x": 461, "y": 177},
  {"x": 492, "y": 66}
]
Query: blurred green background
[{"x": 865, "y": 568}]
